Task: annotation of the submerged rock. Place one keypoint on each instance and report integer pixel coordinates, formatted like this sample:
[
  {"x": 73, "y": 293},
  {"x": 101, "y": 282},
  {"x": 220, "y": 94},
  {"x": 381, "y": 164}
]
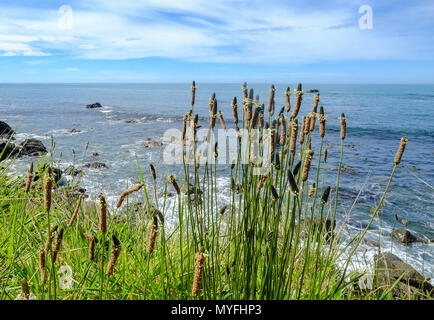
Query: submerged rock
[
  {"x": 5, "y": 130},
  {"x": 130, "y": 121},
  {"x": 94, "y": 105},
  {"x": 73, "y": 130},
  {"x": 389, "y": 268},
  {"x": 96, "y": 165},
  {"x": 152, "y": 143},
  {"x": 71, "y": 171},
  {"x": 405, "y": 236}
]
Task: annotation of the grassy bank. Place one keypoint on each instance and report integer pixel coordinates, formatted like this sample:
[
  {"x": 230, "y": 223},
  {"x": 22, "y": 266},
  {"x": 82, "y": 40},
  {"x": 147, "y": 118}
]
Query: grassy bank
[{"x": 275, "y": 239}]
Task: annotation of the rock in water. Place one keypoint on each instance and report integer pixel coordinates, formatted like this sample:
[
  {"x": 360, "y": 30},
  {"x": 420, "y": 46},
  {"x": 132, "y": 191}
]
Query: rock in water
[
  {"x": 71, "y": 171},
  {"x": 32, "y": 147},
  {"x": 94, "y": 105},
  {"x": 404, "y": 236},
  {"x": 5, "y": 130},
  {"x": 8, "y": 150},
  {"x": 96, "y": 165},
  {"x": 389, "y": 268}
]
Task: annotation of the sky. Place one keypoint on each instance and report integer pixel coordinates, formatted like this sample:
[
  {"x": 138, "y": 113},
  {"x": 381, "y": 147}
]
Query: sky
[{"x": 281, "y": 41}]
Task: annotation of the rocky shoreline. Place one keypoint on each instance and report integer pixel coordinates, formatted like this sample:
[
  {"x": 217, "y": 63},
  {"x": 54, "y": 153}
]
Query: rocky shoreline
[{"x": 390, "y": 269}]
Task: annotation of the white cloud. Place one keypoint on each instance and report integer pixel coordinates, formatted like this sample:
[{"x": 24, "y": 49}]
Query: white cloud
[{"x": 199, "y": 30}]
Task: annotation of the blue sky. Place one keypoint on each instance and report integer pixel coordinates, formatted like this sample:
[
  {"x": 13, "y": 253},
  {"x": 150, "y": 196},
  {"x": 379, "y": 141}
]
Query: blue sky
[{"x": 216, "y": 41}]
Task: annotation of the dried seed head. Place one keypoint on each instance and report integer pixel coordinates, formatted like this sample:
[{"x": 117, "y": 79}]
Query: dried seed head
[
  {"x": 343, "y": 121},
  {"x": 282, "y": 131},
  {"x": 405, "y": 222},
  {"x": 42, "y": 265},
  {"x": 315, "y": 102},
  {"x": 311, "y": 190},
  {"x": 211, "y": 102},
  {"x": 287, "y": 99},
  {"x": 293, "y": 139},
  {"x": 255, "y": 118},
  {"x": 127, "y": 192},
  {"x": 102, "y": 214},
  {"x": 322, "y": 120},
  {"x": 325, "y": 196},
  {"x": 29, "y": 179},
  {"x": 184, "y": 127},
  {"x": 152, "y": 239},
  {"x": 92, "y": 240},
  {"x": 271, "y": 99},
  {"x": 222, "y": 121},
  {"x": 303, "y": 129},
  {"x": 312, "y": 119},
  {"x": 48, "y": 186},
  {"x": 213, "y": 115},
  {"x": 57, "y": 245},
  {"x": 25, "y": 289},
  {"x": 401, "y": 149},
  {"x": 245, "y": 92},
  {"x": 197, "y": 280},
  {"x": 234, "y": 110},
  {"x": 175, "y": 184},
  {"x": 116, "y": 251},
  {"x": 325, "y": 154},
  {"x": 272, "y": 140},
  {"x": 298, "y": 99},
  {"x": 233, "y": 164},
  {"x": 262, "y": 182},
  {"x": 261, "y": 119},
  {"x": 292, "y": 184},
  {"x": 306, "y": 167},
  {"x": 193, "y": 93},
  {"x": 76, "y": 211},
  {"x": 153, "y": 172}
]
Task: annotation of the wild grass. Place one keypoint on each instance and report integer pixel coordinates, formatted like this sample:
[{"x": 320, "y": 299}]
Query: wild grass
[{"x": 275, "y": 239}]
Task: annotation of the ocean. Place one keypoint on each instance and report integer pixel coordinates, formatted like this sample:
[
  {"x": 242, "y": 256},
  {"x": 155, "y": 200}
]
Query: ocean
[{"x": 377, "y": 117}]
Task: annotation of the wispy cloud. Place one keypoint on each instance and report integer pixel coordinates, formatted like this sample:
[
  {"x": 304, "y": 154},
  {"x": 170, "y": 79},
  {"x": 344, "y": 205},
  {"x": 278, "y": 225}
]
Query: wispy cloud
[{"x": 229, "y": 31}]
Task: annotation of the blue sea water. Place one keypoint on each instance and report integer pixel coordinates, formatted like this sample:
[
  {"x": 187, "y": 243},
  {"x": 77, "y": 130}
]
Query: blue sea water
[{"x": 377, "y": 117}]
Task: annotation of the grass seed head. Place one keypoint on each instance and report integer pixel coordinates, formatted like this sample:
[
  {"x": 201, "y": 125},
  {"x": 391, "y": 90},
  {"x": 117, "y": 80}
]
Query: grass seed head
[{"x": 401, "y": 149}]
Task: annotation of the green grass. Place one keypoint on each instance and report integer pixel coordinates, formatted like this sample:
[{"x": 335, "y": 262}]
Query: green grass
[{"x": 261, "y": 247}]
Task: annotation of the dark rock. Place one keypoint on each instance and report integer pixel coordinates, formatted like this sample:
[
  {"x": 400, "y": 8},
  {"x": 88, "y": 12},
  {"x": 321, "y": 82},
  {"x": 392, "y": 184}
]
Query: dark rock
[
  {"x": 5, "y": 130},
  {"x": 389, "y": 268},
  {"x": 95, "y": 154},
  {"x": 130, "y": 121},
  {"x": 405, "y": 236},
  {"x": 191, "y": 190},
  {"x": 312, "y": 90},
  {"x": 96, "y": 165},
  {"x": 73, "y": 130},
  {"x": 32, "y": 147},
  {"x": 94, "y": 105},
  {"x": 8, "y": 150},
  {"x": 71, "y": 171},
  {"x": 348, "y": 169},
  {"x": 152, "y": 143}
]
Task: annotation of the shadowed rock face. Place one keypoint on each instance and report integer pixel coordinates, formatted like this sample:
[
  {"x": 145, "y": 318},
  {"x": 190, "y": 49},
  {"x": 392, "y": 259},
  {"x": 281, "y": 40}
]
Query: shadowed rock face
[
  {"x": 389, "y": 268},
  {"x": 404, "y": 236},
  {"x": 29, "y": 147},
  {"x": 32, "y": 147},
  {"x": 5, "y": 130}
]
